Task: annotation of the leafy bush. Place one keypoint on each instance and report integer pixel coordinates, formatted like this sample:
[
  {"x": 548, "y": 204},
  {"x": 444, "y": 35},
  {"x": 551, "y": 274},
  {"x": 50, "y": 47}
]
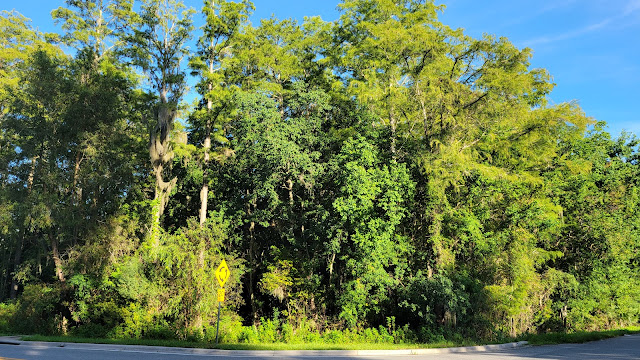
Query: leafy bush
[
  {"x": 90, "y": 330},
  {"x": 334, "y": 337},
  {"x": 269, "y": 331},
  {"x": 231, "y": 330},
  {"x": 435, "y": 300},
  {"x": 40, "y": 310},
  {"x": 7, "y": 312},
  {"x": 277, "y": 331},
  {"x": 163, "y": 331},
  {"x": 136, "y": 322},
  {"x": 248, "y": 335}
]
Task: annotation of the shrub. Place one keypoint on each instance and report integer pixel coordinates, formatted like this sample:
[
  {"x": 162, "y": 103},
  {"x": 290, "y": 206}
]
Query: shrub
[
  {"x": 231, "y": 330},
  {"x": 136, "y": 320},
  {"x": 90, "y": 330},
  {"x": 312, "y": 337},
  {"x": 248, "y": 335},
  {"x": 268, "y": 331},
  {"x": 40, "y": 310},
  {"x": 163, "y": 331},
  {"x": 333, "y": 337},
  {"x": 7, "y": 312}
]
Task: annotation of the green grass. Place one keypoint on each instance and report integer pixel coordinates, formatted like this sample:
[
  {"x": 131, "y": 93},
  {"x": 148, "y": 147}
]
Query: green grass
[
  {"x": 577, "y": 337},
  {"x": 274, "y": 346},
  {"x": 537, "y": 339},
  {"x": 73, "y": 339},
  {"x": 325, "y": 346}
]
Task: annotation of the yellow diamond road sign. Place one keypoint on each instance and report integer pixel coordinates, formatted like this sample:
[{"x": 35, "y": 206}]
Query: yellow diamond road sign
[{"x": 222, "y": 274}]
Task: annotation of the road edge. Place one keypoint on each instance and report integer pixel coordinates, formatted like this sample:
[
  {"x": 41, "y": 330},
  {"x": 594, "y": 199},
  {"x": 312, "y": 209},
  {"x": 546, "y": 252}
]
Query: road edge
[
  {"x": 275, "y": 353},
  {"x": 10, "y": 340}
]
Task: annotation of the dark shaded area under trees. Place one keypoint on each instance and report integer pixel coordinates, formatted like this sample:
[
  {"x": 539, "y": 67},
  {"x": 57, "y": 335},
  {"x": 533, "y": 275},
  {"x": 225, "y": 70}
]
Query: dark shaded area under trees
[{"x": 381, "y": 171}]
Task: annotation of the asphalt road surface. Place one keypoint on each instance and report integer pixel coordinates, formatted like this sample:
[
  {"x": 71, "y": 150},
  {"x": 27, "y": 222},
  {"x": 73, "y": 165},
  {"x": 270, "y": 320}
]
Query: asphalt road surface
[{"x": 626, "y": 347}]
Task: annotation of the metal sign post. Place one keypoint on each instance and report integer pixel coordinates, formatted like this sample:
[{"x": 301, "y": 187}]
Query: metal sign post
[
  {"x": 218, "y": 324},
  {"x": 222, "y": 274}
]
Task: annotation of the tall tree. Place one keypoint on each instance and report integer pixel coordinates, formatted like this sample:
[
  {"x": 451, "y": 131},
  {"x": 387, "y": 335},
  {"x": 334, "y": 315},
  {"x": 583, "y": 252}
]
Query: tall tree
[
  {"x": 156, "y": 42},
  {"x": 277, "y": 137},
  {"x": 224, "y": 23},
  {"x": 19, "y": 43},
  {"x": 384, "y": 47},
  {"x": 93, "y": 25}
]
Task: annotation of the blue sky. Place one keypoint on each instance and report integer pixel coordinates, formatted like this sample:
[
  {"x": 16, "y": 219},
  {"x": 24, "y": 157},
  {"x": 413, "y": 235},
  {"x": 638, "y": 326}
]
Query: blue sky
[{"x": 590, "y": 47}]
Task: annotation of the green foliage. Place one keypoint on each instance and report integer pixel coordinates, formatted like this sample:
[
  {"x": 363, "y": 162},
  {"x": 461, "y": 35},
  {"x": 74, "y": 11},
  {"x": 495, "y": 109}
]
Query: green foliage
[
  {"x": 275, "y": 330},
  {"x": 92, "y": 25},
  {"x": 7, "y": 314},
  {"x": 137, "y": 323},
  {"x": 277, "y": 280},
  {"x": 370, "y": 205},
  {"x": 231, "y": 330},
  {"x": 18, "y": 42},
  {"x": 39, "y": 311},
  {"x": 607, "y": 300},
  {"x": 436, "y": 299},
  {"x": 382, "y": 178},
  {"x": 185, "y": 271}
]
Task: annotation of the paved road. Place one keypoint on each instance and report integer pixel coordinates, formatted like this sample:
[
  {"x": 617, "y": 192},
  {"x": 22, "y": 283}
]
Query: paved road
[{"x": 626, "y": 347}]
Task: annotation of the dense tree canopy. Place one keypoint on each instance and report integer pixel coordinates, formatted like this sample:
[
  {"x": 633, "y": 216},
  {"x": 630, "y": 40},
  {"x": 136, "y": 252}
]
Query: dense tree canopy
[{"x": 379, "y": 171}]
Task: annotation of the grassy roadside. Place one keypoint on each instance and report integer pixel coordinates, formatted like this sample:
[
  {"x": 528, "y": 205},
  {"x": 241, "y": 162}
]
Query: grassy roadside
[
  {"x": 272, "y": 346},
  {"x": 537, "y": 339}
]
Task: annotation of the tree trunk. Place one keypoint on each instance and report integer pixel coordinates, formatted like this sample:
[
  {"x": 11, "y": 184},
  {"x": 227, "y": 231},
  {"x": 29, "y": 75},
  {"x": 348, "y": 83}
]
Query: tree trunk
[
  {"x": 393, "y": 125},
  {"x": 17, "y": 258},
  {"x": 204, "y": 192},
  {"x": 289, "y": 188},
  {"x": 161, "y": 155},
  {"x": 425, "y": 115},
  {"x": 6, "y": 276},
  {"x": 77, "y": 189},
  {"x": 57, "y": 261},
  {"x": 254, "y": 308},
  {"x": 200, "y": 289},
  {"x": 252, "y": 226}
]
